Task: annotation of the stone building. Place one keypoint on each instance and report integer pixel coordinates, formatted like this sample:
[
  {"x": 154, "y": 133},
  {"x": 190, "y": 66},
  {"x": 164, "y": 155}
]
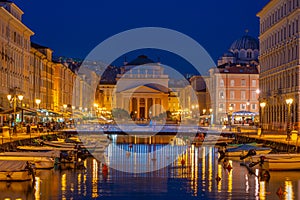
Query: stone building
[{"x": 279, "y": 59}]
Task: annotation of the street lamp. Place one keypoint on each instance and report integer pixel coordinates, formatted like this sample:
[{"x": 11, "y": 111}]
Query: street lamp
[
  {"x": 38, "y": 101},
  {"x": 229, "y": 116},
  {"x": 211, "y": 116},
  {"x": 262, "y": 105},
  {"x": 14, "y": 99},
  {"x": 288, "y": 128},
  {"x": 248, "y": 105}
]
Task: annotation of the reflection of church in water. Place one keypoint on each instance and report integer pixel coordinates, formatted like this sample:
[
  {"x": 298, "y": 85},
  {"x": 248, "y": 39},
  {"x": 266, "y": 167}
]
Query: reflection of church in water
[{"x": 142, "y": 88}]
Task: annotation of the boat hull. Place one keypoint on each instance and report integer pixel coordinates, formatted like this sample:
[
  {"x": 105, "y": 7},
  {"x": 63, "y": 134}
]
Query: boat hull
[
  {"x": 243, "y": 153},
  {"x": 15, "y": 176},
  {"x": 39, "y": 162},
  {"x": 280, "y": 162}
]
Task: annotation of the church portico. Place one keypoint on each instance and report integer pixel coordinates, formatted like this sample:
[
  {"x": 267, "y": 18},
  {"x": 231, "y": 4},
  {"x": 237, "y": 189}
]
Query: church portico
[{"x": 143, "y": 107}]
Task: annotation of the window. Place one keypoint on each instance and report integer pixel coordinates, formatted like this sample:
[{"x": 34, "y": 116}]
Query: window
[
  {"x": 221, "y": 83},
  {"x": 253, "y": 83},
  {"x": 221, "y": 95},
  {"x": 253, "y": 106},
  {"x": 231, "y": 82},
  {"x": 243, "y": 82},
  {"x": 231, "y": 94},
  {"x": 243, "y": 94},
  {"x": 243, "y": 106},
  {"x": 221, "y": 106},
  {"x": 249, "y": 54},
  {"x": 253, "y": 95}
]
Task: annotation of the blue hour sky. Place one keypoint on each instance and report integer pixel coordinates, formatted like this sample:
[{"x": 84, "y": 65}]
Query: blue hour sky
[{"x": 73, "y": 28}]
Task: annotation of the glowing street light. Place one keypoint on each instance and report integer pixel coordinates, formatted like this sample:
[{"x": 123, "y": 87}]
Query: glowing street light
[
  {"x": 13, "y": 99},
  {"x": 230, "y": 116},
  {"x": 262, "y": 105},
  {"x": 38, "y": 101}
]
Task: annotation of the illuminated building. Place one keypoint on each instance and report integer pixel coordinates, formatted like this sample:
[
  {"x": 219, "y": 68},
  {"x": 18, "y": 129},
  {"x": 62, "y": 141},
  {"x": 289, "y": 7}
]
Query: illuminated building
[
  {"x": 14, "y": 53},
  {"x": 279, "y": 59},
  {"x": 235, "y": 81}
]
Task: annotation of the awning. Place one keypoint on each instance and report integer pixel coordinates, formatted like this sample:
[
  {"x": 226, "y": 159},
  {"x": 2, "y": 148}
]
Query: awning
[
  {"x": 19, "y": 109},
  {"x": 244, "y": 113},
  {"x": 50, "y": 113}
]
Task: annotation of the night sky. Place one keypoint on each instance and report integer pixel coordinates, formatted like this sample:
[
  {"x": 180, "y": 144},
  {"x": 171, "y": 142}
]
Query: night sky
[{"x": 73, "y": 28}]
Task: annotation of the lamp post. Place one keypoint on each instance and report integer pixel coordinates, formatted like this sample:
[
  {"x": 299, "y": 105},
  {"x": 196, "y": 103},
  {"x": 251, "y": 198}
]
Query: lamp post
[
  {"x": 38, "y": 101},
  {"x": 262, "y": 105},
  {"x": 211, "y": 116},
  {"x": 230, "y": 116},
  {"x": 14, "y": 98},
  {"x": 248, "y": 105},
  {"x": 288, "y": 127}
]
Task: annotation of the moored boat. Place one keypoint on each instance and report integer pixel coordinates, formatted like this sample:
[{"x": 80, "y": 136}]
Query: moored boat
[
  {"x": 12, "y": 170},
  {"x": 278, "y": 162},
  {"x": 244, "y": 149},
  {"x": 39, "y": 162}
]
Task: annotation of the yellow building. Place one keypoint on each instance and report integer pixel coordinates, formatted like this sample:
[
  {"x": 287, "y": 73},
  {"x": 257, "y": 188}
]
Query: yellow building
[
  {"x": 14, "y": 54},
  {"x": 279, "y": 59}
]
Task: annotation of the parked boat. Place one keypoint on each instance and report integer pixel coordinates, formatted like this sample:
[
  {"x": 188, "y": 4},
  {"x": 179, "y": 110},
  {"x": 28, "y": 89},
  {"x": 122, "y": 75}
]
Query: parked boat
[
  {"x": 244, "y": 149},
  {"x": 12, "y": 170},
  {"x": 40, "y": 162},
  {"x": 278, "y": 161},
  {"x": 66, "y": 155}
]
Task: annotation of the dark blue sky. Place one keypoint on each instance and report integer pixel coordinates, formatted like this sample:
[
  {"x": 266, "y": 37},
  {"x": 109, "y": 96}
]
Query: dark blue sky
[{"x": 73, "y": 28}]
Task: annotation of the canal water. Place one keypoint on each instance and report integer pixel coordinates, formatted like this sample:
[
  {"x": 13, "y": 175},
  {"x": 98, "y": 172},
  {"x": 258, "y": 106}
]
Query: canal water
[{"x": 192, "y": 176}]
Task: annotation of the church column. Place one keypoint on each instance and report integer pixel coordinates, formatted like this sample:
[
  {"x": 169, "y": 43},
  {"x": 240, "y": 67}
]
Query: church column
[
  {"x": 126, "y": 104},
  {"x": 153, "y": 107},
  {"x": 138, "y": 106},
  {"x": 146, "y": 108},
  {"x": 130, "y": 105}
]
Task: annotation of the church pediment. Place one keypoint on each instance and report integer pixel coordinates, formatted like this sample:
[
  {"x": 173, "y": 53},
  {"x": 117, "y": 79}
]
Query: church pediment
[{"x": 146, "y": 89}]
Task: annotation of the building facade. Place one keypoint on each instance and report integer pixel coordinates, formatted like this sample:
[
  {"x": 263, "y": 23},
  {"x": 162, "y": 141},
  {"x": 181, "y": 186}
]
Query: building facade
[
  {"x": 234, "y": 83},
  {"x": 14, "y": 54},
  {"x": 280, "y": 63},
  {"x": 142, "y": 88}
]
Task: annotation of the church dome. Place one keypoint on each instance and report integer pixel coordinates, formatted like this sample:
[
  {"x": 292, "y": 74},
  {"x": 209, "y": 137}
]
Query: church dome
[
  {"x": 228, "y": 54},
  {"x": 245, "y": 42}
]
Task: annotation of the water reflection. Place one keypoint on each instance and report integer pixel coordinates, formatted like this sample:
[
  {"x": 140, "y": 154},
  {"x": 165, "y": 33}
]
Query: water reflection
[{"x": 196, "y": 173}]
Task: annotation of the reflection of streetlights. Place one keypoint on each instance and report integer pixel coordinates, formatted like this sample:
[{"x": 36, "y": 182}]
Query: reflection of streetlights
[
  {"x": 13, "y": 99},
  {"x": 262, "y": 105},
  {"x": 288, "y": 128}
]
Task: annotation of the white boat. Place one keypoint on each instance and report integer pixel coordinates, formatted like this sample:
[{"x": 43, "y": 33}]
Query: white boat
[
  {"x": 40, "y": 162},
  {"x": 12, "y": 170},
  {"x": 278, "y": 161}
]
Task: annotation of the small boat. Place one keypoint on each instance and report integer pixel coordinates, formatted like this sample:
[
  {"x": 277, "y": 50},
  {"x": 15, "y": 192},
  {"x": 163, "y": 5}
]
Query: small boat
[
  {"x": 40, "y": 162},
  {"x": 13, "y": 170},
  {"x": 278, "y": 161},
  {"x": 244, "y": 149},
  {"x": 44, "y": 148}
]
